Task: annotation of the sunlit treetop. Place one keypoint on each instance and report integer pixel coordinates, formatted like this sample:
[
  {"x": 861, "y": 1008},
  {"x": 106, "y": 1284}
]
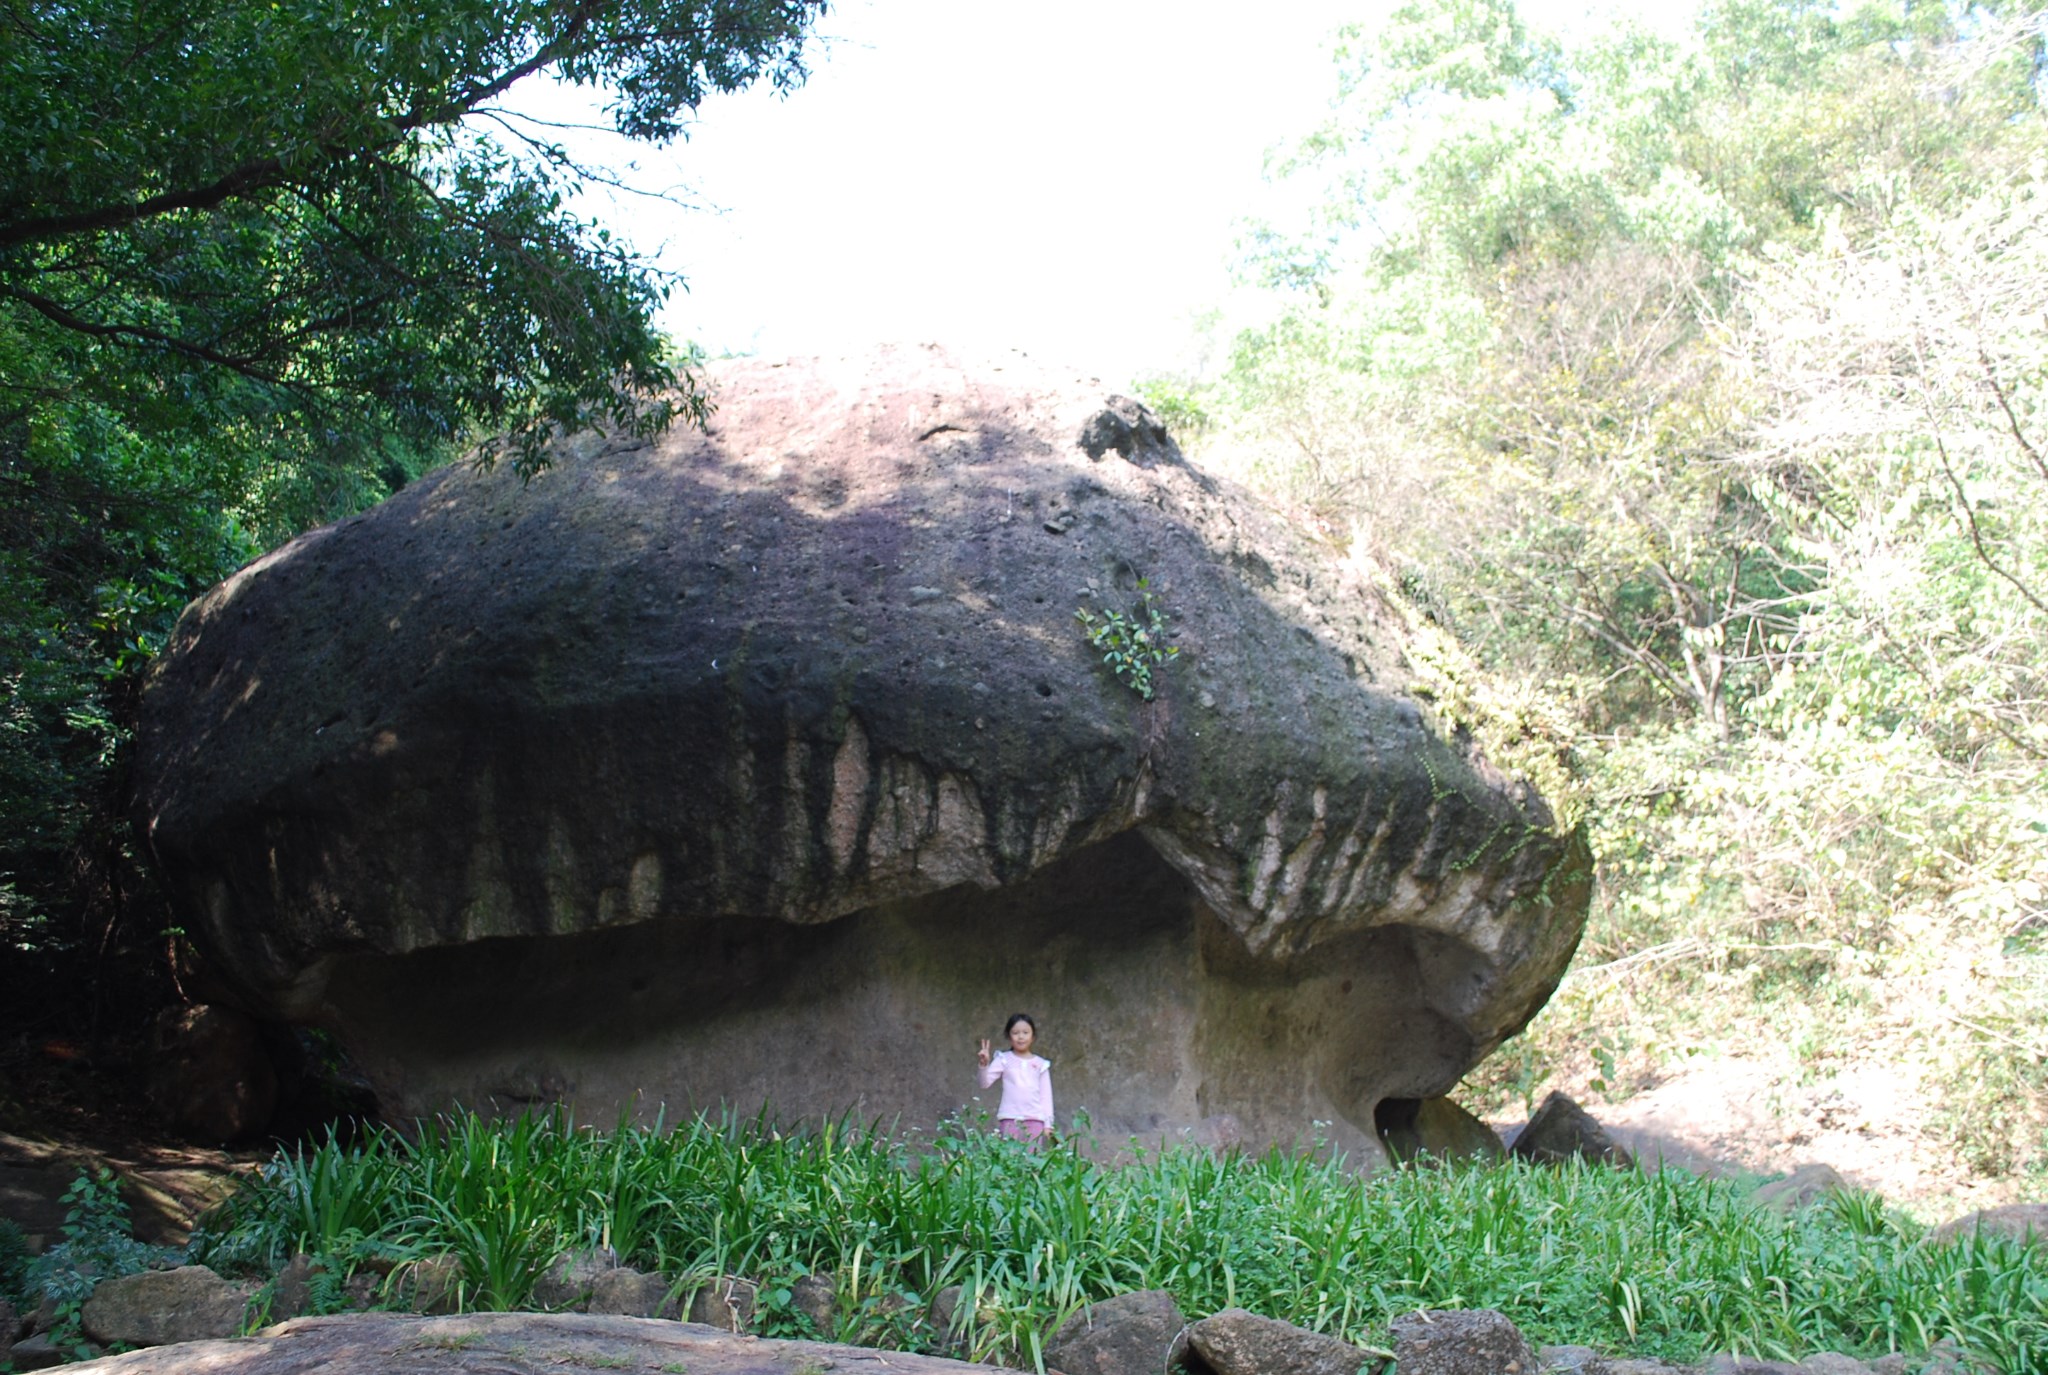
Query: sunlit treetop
[{"x": 318, "y": 213}]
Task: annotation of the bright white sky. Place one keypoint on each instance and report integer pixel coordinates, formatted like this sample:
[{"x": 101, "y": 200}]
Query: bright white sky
[{"x": 1065, "y": 178}]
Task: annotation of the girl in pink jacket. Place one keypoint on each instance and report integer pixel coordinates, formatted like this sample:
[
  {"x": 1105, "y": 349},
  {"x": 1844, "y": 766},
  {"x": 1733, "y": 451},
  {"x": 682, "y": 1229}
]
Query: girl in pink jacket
[{"x": 1026, "y": 1111}]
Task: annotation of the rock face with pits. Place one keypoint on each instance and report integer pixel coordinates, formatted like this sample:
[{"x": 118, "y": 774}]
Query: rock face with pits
[{"x": 772, "y": 765}]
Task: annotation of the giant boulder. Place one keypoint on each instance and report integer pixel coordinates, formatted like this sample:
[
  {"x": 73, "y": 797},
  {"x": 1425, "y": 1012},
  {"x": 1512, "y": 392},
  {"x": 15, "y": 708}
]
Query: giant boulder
[{"x": 771, "y": 765}]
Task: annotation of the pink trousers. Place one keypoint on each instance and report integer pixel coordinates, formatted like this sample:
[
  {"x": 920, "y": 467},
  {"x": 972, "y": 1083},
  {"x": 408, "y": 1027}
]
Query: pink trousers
[{"x": 1021, "y": 1128}]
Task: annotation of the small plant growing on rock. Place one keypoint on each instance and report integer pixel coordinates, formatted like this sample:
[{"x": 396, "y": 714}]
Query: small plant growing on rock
[{"x": 1134, "y": 646}]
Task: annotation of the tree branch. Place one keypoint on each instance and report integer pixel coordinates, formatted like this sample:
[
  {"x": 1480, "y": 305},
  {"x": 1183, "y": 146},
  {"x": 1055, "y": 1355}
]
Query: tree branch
[
  {"x": 2012, "y": 421},
  {"x": 266, "y": 172},
  {"x": 1963, "y": 498},
  {"x": 58, "y": 314},
  {"x": 553, "y": 51},
  {"x": 244, "y": 179}
]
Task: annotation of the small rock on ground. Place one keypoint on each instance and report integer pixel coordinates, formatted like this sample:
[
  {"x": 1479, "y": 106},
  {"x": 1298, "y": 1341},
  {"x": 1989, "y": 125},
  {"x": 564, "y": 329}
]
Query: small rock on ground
[
  {"x": 1235, "y": 1342},
  {"x": 1130, "y": 1334},
  {"x": 817, "y": 1298},
  {"x": 727, "y": 1303},
  {"x": 156, "y": 1307},
  {"x": 1460, "y": 1341},
  {"x": 569, "y": 1280},
  {"x": 36, "y": 1353},
  {"x": 1806, "y": 1185},
  {"x": 626, "y": 1292}
]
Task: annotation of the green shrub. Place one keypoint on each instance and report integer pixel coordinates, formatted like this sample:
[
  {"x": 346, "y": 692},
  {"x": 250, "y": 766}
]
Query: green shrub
[
  {"x": 14, "y": 1261},
  {"x": 98, "y": 1244}
]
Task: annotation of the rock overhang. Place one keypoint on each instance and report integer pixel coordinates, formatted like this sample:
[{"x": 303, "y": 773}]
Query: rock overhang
[{"x": 817, "y": 662}]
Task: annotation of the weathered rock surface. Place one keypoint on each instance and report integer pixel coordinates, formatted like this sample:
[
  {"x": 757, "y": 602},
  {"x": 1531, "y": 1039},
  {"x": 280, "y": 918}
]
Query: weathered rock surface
[
  {"x": 1570, "y": 1360},
  {"x": 727, "y": 1302},
  {"x": 568, "y": 1282},
  {"x": 433, "y": 1284},
  {"x": 1819, "y": 1363},
  {"x": 1804, "y": 1187},
  {"x": 949, "y": 1322},
  {"x": 37, "y": 1353},
  {"x": 817, "y": 1298},
  {"x": 1560, "y": 1129},
  {"x": 291, "y": 1292},
  {"x": 1129, "y": 1334},
  {"x": 628, "y": 1292},
  {"x": 2019, "y": 1221},
  {"x": 1460, "y": 1341},
  {"x": 1434, "y": 1128},
  {"x": 770, "y": 764},
  {"x": 1235, "y": 1342},
  {"x": 156, "y": 1307},
  {"x": 165, "y": 1186},
  {"x": 209, "y": 1071},
  {"x": 512, "y": 1344}
]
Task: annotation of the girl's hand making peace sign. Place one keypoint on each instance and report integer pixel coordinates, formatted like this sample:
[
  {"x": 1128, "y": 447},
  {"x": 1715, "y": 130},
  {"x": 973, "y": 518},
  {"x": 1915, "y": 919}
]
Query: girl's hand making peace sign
[{"x": 982, "y": 1058}]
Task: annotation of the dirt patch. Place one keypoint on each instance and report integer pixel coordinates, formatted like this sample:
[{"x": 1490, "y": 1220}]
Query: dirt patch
[{"x": 1738, "y": 1117}]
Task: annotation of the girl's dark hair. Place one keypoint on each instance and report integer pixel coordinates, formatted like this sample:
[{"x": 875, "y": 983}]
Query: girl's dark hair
[{"x": 1024, "y": 1017}]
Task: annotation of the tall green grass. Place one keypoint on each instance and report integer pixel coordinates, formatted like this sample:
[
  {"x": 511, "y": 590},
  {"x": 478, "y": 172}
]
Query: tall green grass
[{"x": 1664, "y": 1265}]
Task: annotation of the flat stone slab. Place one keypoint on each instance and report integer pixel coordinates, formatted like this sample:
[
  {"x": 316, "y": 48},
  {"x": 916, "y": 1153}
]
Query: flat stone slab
[{"x": 512, "y": 1344}]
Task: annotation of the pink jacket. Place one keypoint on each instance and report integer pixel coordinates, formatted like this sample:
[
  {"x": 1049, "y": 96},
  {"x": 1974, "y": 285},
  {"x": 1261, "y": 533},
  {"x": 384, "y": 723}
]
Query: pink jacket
[{"x": 1027, "y": 1085}]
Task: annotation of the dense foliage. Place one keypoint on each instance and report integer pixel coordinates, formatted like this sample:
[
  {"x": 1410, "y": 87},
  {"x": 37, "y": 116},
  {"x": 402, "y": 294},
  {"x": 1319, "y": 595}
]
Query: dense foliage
[
  {"x": 1697, "y": 389},
  {"x": 1661, "y": 1264},
  {"x": 259, "y": 265}
]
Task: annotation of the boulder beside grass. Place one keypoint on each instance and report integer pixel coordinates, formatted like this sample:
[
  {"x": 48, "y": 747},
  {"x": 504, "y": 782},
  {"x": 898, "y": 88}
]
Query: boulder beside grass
[
  {"x": 816, "y": 1297},
  {"x": 433, "y": 1284},
  {"x": 1131, "y": 1334},
  {"x": 626, "y": 1292},
  {"x": 159, "y": 1307},
  {"x": 783, "y": 711},
  {"x": 1561, "y": 1129},
  {"x": 633, "y": 1327},
  {"x": 37, "y": 1352},
  {"x": 291, "y": 1292},
  {"x": 572, "y": 1276},
  {"x": 1805, "y": 1186},
  {"x": 1235, "y": 1342},
  {"x": 728, "y": 1302},
  {"x": 943, "y": 1315},
  {"x": 2023, "y": 1222},
  {"x": 1460, "y": 1341}
]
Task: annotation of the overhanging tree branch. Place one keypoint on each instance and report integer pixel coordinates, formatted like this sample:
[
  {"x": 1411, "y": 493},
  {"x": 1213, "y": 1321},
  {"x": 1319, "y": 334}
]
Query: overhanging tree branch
[
  {"x": 58, "y": 314},
  {"x": 268, "y": 172}
]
